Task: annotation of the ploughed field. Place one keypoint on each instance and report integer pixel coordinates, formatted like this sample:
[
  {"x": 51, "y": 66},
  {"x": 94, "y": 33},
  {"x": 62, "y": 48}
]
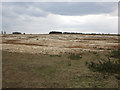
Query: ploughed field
[{"x": 37, "y": 61}]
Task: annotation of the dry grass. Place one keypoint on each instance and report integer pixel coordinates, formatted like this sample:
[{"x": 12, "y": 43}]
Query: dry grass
[
  {"x": 37, "y": 71},
  {"x": 59, "y": 43},
  {"x": 17, "y": 43},
  {"x": 52, "y": 61}
]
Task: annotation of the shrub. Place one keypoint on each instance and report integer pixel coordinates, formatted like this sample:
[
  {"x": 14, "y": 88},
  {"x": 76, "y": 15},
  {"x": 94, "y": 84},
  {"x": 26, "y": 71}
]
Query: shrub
[
  {"x": 115, "y": 54},
  {"x": 86, "y": 63},
  {"x": 55, "y": 55},
  {"x": 95, "y": 53},
  {"x": 101, "y": 48},
  {"x": 105, "y": 66}
]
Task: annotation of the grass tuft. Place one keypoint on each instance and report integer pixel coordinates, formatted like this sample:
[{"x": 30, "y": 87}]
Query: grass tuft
[{"x": 75, "y": 56}]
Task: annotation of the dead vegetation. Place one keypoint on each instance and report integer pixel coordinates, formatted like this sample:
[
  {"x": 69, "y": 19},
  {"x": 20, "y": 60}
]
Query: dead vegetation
[
  {"x": 17, "y": 43},
  {"x": 59, "y": 43}
]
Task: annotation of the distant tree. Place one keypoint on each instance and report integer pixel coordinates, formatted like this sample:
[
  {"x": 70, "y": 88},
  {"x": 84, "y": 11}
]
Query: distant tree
[
  {"x": 55, "y": 32},
  {"x": 16, "y": 33}
]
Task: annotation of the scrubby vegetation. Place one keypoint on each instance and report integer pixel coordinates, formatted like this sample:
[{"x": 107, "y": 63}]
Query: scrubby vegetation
[
  {"x": 115, "y": 54},
  {"x": 104, "y": 66},
  {"x": 109, "y": 66}
]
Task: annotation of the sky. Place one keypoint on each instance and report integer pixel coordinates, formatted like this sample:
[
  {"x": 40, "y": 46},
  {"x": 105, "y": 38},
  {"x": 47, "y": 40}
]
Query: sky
[{"x": 43, "y": 17}]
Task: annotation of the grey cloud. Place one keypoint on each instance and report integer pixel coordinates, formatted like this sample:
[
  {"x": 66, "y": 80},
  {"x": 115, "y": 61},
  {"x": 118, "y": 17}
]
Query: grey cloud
[
  {"x": 22, "y": 8},
  {"x": 77, "y": 8},
  {"x": 12, "y": 13},
  {"x": 63, "y": 8}
]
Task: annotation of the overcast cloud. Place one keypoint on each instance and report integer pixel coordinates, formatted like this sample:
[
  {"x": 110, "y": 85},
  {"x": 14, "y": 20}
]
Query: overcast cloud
[{"x": 39, "y": 17}]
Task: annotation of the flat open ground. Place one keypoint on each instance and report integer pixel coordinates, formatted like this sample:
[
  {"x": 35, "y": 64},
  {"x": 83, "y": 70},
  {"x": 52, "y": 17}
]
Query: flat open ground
[{"x": 43, "y": 60}]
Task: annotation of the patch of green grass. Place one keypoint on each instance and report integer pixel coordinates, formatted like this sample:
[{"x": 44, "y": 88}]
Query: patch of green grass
[
  {"x": 75, "y": 56},
  {"x": 55, "y": 55},
  {"x": 92, "y": 80},
  {"x": 44, "y": 70}
]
